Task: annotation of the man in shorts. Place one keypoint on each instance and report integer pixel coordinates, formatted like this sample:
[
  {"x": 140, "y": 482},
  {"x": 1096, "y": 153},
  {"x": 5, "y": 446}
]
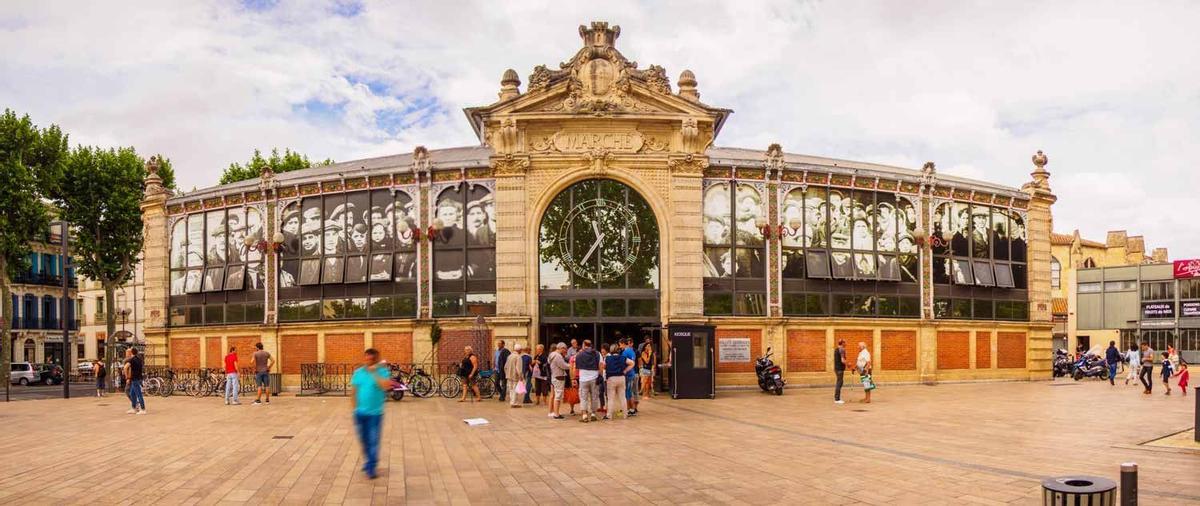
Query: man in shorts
[
  {"x": 263, "y": 362},
  {"x": 560, "y": 371}
]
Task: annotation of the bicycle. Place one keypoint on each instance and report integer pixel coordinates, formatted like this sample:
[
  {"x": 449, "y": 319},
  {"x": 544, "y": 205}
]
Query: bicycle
[{"x": 419, "y": 382}]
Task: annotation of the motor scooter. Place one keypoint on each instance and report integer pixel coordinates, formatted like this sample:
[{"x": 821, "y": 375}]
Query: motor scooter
[
  {"x": 1090, "y": 366},
  {"x": 1062, "y": 364},
  {"x": 770, "y": 376}
]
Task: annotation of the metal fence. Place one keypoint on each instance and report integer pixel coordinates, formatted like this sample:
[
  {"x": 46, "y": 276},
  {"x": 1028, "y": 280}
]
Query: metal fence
[{"x": 334, "y": 379}]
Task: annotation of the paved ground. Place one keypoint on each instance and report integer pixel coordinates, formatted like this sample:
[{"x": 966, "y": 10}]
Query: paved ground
[
  {"x": 949, "y": 444},
  {"x": 28, "y": 392}
]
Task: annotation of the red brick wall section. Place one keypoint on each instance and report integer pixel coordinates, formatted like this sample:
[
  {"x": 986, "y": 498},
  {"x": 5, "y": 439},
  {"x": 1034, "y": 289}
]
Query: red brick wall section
[
  {"x": 953, "y": 350},
  {"x": 898, "y": 349},
  {"x": 296, "y": 349},
  {"x": 755, "y": 336},
  {"x": 806, "y": 350},
  {"x": 1010, "y": 350},
  {"x": 395, "y": 347},
  {"x": 450, "y": 346},
  {"x": 245, "y": 348},
  {"x": 852, "y": 338},
  {"x": 983, "y": 350},
  {"x": 213, "y": 352},
  {"x": 185, "y": 353},
  {"x": 343, "y": 348}
]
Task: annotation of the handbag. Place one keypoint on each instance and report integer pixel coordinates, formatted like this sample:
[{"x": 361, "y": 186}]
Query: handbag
[
  {"x": 868, "y": 383},
  {"x": 521, "y": 388}
]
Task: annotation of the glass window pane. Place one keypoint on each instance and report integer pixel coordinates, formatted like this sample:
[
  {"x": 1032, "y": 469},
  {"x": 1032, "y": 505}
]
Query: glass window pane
[
  {"x": 999, "y": 234},
  {"x": 310, "y": 271},
  {"x": 718, "y": 303},
  {"x": 841, "y": 265},
  {"x": 888, "y": 306},
  {"x": 889, "y": 268},
  {"x": 791, "y": 216},
  {"x": 613, "y": 307},
  {"x": 717, "y": 212},
  {"x": 356, "y": 269},
  {"x": 195, "y": 240},
  {"x": 382, "y": 220},
  {"x": 552, "y": 307},
  {"x": 332, "y": 269},
  {"x": 793, "y": 264},
  {"x": 310, "y": 231},
  {"x": 864, "y": 265},
  {"x": 381, "y": 267},
  {"x": 333, "y": 309},
  {"x": 981, "y": 231},
  {"x": 907, "y": 226},
  {"x": 192, "y": 283},
  {"x": 481, "y": 304},
  {"x": 643, "y": 307},
  {"x": 447, "y": 305},
  {"x": 290, "y": 219},
  {"x": 256, "y": 277},
  {"x": 254, "y": 312},
  {"x": 983, "y": 309},
  {"x": 750, "y": 215},
  {"x": 235, "y": 278},
  {"x": 179, "y": 244},
  {"x": 405, "y": 266},
  {"x": 406, "y": 306},
  {"x": 817, "y": 263},
  {"x": 1019, "y": 280},
  {"x": 840, "y": 215},
  {"x": 1004, "y": 276},
  {"x": 214, "y": 313},
  {"x": 983, "y": 274},
  {"x": 357, "y": 214},
  {"x": 585, "y": 308},
  {"x": 816, "y": 218},
  {"x": 214, "y": 222},
  {"x": 750, "y": 263},
  {"x": 910, "y": 306},
  {"x": 448, "y": 218},
  {"x": 481, "y": 263},
  {"x": 334, "y": 232},
  {"x": 960, "y": 308},
  {"x": 356, "y": 308},
  {"x": 751, "y": 304},
  {"x": 382, "y": 307},
  {"x": 718, "y": 262},
  {"x": 178, "y": 279},
  {"x": 961, "y": 227},
  {"x": 235, "y": 313},
  {"x": 448, "y": 265},
  {"x": 214, "y": 279},
  {"x": 405, "y": 217},
  {"x": 1017, "y": 233},
  {"x": 962, "y": 272}
]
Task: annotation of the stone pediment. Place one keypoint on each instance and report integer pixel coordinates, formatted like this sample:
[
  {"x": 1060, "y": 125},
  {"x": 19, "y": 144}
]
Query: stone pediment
[{"x": 598, "y": 81}]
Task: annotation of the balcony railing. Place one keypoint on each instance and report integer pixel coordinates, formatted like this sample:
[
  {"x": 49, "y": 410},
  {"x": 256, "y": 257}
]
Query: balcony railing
[
  {"x": 35, "y": 323},
  {"x": 42, "y": 278}
]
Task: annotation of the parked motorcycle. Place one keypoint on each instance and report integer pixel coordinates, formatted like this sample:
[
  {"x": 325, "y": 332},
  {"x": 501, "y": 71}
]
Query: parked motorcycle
[
  {"x": 399, "y": 387},
  {"x": 770, "y": 376},
  {"x": 1091, "y": 365},
  {"x": 1062, "y": 364}
]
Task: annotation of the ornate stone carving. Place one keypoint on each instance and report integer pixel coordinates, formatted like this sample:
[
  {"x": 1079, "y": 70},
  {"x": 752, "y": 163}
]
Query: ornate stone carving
[
  {"x": 599, "y": 157},
  {"x": 1041, "y": 177},
  {"x": 509, "y": 85},
  {"x": 420, "y": 160},
  {"x": 539, "y": 80},
  {"x": 510, "y": 165},
  {"x": 656, "y": 79},
  {"x": 688, "y": 164},
  {"x": 690, "y": 133},
  {"x": 687, "y": 86},
  {"x": 507, "y": 137},
  {"x": 154, "y": 182},
  {"x": 652, "y": 144},
  {"x": 774, "y": 158},
  {"x": 543, "y": 143}
]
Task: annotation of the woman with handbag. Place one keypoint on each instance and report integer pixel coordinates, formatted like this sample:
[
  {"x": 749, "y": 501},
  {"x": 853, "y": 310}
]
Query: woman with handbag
[{"x": 863, "y": 365}]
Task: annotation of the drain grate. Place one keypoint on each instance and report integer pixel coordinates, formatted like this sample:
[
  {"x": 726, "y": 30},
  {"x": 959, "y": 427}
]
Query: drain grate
[
  {"x": 281, "y": 437},
  {"x": 104, "y": 404},
  {"x": 859, "y": 410},
  {"x": 1064, "y": 384}
]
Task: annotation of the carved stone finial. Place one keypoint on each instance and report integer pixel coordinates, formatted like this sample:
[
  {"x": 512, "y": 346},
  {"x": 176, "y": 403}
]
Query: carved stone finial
[
  {"x": 928, "y": 168},
  {"x": 1040, "y": 159},
  {"x": 774, "y": 157},
  {"x": 154, "y": 182},
  {"x": 1041, "y": 177},
  {"x": 420, "y": 160},
  {"x": 509, "y": 85},
  {"x": 687, "y": 86},
  {"x": 266, "y": 180},
  {"x": 599, "y": 35}
]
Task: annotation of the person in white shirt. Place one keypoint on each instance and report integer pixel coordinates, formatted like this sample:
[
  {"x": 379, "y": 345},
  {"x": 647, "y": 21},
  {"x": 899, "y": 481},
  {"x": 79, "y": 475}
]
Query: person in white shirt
[
  {"x": 863, "y": 365},
  {"x": 1134, "y": 359}
]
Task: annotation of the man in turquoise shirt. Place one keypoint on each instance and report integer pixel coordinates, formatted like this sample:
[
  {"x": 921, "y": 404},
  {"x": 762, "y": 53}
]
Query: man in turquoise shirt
[{"x": 368, "y": 389}]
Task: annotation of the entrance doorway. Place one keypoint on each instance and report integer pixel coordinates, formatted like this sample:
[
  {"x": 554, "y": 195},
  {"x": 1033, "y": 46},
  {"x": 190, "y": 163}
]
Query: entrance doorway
[{"x": 599, "y": 333}]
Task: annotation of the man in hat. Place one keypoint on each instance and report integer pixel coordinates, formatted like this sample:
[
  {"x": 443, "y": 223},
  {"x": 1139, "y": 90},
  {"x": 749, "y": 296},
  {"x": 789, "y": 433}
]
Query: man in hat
[
  {"x": 479, "y": 234},
  {"x": 331, "y": 266},
  {"x": 291, "y": 229},
  {"x": 216, "y": 245},
  {"x": 237, "y": 239},
  {"x": 311, "y": 238},
  {"x": 235, "y": 278}
]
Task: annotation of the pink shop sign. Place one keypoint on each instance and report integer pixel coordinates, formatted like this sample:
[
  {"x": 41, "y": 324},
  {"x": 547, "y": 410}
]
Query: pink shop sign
[{"x": 1187, "y": 268}]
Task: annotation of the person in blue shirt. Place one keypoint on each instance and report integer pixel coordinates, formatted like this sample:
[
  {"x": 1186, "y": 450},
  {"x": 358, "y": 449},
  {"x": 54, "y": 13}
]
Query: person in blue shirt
[
  {"x": 368, "y": 389},
  {"x": 1113, "y": 356},
  {"x": 631, "y": 398}
]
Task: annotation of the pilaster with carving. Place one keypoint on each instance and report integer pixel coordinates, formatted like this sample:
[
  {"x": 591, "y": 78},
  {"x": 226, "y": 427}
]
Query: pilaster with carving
[
  {"x": 774, "y": 170},
  {"x": 155, "y": 255},
  {"x": 1039, "y": 227}
]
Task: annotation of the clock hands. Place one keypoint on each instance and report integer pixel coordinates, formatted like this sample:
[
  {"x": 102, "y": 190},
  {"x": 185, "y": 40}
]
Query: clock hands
[{"x": 599, "y": 239}]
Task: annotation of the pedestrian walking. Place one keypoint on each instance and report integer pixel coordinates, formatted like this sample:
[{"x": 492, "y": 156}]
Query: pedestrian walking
[
  {"x": 101, "y": 373},
  {"x": 645, "y": 369},
  {"x": 368, "y": 387},
  {"x": 560, "y": 376},
  {"x": 1183, "y": 375},
  {"x": 839, "y": 370},
  {"x": 1146, "y": 376},
  {"x": 537, "y": 373},
  {"x": 616, "y": 367},
  {"x": 263, "y": 363},
  {"x": 499, "y": 360},
  {"x": 601, "y": 381},
  {"x": 863, "y": 364},
  {"x": 231, "y": 377},
  {"x": 631, "y": 394},
  {"x": 526, "y": 373},
  {"x": 513, "y": 371},
  {"x": 133, "y": 378},
  {"x": 587, "y": 362},
  {"x": 468, "y": 372},
  {"x": 1113, "y": 357},
  {"x": 1133, "y": 359},
  {"x": 1166, "y": 372}
]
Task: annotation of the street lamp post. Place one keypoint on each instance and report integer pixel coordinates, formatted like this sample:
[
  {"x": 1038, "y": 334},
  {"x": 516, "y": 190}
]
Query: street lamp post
[{"x": 66, "y": 300}]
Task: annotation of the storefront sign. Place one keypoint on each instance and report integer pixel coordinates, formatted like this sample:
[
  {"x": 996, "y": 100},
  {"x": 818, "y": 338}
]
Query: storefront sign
[
  {"x": 1187, "y": 268},
  {"x": 1157, "y": 324},
  {"x": 1158, "y": 310},
  {"x": 1189, "y": 309},
  {"x": 734, "y": 349},
  {"x": 581, "y": 142}
]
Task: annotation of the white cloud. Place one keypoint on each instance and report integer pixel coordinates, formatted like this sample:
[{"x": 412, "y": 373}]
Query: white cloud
[{"x": 1107, "y": 89}]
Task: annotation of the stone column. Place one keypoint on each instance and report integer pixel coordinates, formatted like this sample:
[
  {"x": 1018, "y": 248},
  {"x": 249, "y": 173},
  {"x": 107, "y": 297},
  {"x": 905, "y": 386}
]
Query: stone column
[
  {"x": 1039, "y": 224},
  {"x": 154, "y": 258},
  {"x": 511, "y": 255},
  {"x": 926, "y": 334},
  {"x": 684, "y": 254}
]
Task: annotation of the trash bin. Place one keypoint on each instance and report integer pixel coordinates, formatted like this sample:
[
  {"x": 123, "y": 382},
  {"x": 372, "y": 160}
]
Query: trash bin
[
  {"x": 1079, "y": 491},
  {"x": 276, "y": 383}
]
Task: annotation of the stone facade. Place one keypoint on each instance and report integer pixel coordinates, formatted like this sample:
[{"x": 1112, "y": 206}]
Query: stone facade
[{"x": 600, "y": 116}]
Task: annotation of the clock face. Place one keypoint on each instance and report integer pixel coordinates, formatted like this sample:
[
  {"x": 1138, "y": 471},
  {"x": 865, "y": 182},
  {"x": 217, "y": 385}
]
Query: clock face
[{"x": 606, "y": 237}]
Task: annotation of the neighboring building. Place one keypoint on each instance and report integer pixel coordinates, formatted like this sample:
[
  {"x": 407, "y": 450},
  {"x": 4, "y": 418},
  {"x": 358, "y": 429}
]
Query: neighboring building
[
  {"x": 597, "y": 207},
  {"x": 1159, "y": 303},
  {"x": 1069, "y": 253},
  {"x": 38, "y": 310},
  {"x": 130, "y": 309}
]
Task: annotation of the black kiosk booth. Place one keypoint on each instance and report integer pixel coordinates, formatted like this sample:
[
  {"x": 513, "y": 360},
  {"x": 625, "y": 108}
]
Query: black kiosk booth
[{"x": 692, "y": 372}]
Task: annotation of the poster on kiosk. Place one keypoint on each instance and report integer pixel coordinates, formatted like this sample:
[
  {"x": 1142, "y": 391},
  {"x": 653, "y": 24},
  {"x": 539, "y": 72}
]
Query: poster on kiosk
[{"x": 692, "y": 373}]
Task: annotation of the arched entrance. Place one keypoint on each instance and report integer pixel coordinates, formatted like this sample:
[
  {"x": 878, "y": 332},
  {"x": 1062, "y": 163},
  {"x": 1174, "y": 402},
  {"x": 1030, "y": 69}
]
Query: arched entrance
[{"x": 598, "y": 258}]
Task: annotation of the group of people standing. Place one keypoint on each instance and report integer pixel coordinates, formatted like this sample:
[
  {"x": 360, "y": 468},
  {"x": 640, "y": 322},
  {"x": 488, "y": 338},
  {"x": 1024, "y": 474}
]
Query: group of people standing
[
  {"x": 604, "y": 382},
  {"x": 861, "y": 365},
  {"x": 1139, "y": 362}
]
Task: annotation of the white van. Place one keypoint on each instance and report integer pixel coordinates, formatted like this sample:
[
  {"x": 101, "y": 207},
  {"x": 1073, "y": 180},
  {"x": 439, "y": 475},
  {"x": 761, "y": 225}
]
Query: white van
[{"x": 24, "y": 373}]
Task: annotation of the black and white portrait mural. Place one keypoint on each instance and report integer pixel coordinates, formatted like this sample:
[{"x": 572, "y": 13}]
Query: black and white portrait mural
[{"x": 978, "y": 245}]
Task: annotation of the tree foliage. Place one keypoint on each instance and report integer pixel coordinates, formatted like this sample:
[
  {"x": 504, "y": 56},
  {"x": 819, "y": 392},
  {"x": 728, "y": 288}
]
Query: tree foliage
[
  {"x": 29, "y": 156},
  {"x": 289, "y": 161},
  {"x": 165, "y": 170}
]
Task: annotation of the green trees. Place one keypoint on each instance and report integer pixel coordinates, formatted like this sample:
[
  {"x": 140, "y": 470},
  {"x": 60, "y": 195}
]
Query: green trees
[
  {"x": 29, "y": 158},
  {"x": 290, "y": 161}
]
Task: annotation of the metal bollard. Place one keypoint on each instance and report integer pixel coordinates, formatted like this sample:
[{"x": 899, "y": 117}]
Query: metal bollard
[{"x": 1129, "y": 484}]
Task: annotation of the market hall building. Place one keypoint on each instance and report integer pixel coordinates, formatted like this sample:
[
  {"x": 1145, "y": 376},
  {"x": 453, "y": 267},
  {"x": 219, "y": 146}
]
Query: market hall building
[{"x": 598, "y": 206}]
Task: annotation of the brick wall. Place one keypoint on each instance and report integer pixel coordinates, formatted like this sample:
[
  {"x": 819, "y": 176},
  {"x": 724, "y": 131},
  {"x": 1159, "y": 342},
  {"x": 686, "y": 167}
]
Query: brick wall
[
  {"x": 1010, "y": 350},
  {"x": 395, "y": 347},
  {"x": 296, "y": 349},
  {"x": 343, "y": 348},
  {"x": 185, "y": 353},
  {"x": 245, "y": 348},
  {"x": 213, "y": 353},
  {"x": 898, "y": 349},
  {"x": 852, "y": 338},
  {"x": 806, "y": 350},
  {"x": 450, "y": 347},
  {"x": 983, "y": 350},
  {"x": 953, "y": 350},
  {"x": 755, "y": 336}
]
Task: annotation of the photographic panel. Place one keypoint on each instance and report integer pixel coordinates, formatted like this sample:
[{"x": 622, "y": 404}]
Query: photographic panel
[
  {"x": 480, "y": 217},
  {"x": 214, "y": 222},
  {"x": 310, "y": 228},
  {"x": 749, "y": 213},
  {"x": 290, "y": 228},
  {"x": 791, "y": 216},
  {"x": 816, "y": 217},
  {"x": 179, "y": 244},
  {"x": 717, "y": 213},
  {"x": 448, "y": 218},
  {"x": 195, "y": 240}
]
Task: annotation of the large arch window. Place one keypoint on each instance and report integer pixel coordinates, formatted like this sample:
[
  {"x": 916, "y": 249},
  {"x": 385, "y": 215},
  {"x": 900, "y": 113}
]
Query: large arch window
[
  {"x": 979, "y": 269},
  {"x": 216, "y": 265},
  {"x": 348, "y": 256},
  {"x": 464, "y": 251},
  {"x": 734, "y": 249},
  {"x": 598, "y": 250}
]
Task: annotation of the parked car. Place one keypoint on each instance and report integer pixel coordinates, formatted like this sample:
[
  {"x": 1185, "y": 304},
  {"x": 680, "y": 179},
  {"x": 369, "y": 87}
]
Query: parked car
[
  {"x": 50, "y": 374},
  {"x": 85, "y": 367},
  {"x": 24, "y": 373}
]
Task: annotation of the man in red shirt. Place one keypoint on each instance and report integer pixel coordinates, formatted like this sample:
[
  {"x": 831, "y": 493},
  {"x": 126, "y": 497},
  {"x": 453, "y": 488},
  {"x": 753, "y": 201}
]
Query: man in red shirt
[{"x": 231, "y": 377}]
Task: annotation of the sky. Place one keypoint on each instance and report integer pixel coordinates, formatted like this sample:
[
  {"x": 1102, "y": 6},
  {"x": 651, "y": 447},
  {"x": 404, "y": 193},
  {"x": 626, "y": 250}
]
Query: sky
[{"x": 1109, "y": 90}]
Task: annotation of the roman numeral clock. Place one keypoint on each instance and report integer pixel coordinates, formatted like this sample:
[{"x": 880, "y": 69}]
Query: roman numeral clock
[{"x": 606, "y": 237}]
